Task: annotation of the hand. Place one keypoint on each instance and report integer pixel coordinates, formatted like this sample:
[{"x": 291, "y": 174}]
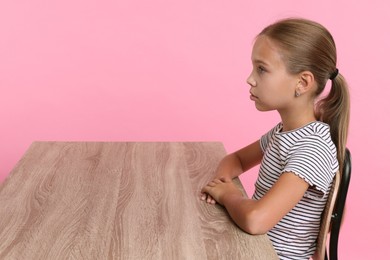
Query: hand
[
  {"x": 215, "y": 190},
  {"x": 207, "y": 197}
]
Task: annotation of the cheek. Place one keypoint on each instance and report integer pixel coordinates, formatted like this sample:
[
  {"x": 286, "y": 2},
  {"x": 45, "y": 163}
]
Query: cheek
[
  {"x": 274, "y": 94},
  {"x": 266, "y": 89}
]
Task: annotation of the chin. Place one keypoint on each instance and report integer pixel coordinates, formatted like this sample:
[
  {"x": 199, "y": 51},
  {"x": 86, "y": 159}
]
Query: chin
[{"x": 262, "y": 109}]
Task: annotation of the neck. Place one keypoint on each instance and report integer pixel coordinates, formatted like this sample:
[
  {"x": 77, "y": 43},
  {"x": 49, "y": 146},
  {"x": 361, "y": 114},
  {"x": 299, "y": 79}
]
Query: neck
[{"x": 297, "y": 118}]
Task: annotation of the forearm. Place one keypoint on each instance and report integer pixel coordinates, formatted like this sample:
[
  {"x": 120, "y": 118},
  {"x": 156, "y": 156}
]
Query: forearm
[
  {"x": 244, "y": 213},
  {"x": 240, "y": 161},
  {"x": 233, "y": 165},
  {"x": 229, "y": 167},
  {"x": 259, "y": 216}
]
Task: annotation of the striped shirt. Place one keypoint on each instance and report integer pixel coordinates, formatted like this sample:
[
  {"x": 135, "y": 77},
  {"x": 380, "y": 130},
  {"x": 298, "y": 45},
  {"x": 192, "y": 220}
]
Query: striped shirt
[{"x": 309, "y": 153}]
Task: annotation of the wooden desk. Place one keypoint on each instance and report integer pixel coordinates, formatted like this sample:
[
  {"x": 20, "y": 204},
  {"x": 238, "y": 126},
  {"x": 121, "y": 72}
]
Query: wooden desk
[{"x": 118, "y": 201}]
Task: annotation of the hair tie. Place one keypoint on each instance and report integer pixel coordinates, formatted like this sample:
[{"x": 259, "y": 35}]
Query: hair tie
[{"x": 334, "y": 74}]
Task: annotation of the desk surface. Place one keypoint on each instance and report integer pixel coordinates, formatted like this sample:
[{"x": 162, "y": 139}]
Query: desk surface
[{"x": 94, "y": 200}]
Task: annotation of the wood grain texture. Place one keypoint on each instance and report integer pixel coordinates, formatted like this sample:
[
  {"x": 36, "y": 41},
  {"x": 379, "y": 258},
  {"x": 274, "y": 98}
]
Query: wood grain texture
[{"x": 94, "y": 200}]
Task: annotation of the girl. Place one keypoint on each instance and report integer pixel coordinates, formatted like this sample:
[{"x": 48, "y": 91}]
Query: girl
[{"x": 292, "y": 61}]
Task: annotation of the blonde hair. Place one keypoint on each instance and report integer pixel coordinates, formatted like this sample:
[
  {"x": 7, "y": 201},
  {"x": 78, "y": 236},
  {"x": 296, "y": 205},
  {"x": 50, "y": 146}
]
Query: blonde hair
[{"x": 308, "y": 46}]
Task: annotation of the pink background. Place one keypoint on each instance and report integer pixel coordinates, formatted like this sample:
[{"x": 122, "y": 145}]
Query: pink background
[{"x": 175, "y": 71}]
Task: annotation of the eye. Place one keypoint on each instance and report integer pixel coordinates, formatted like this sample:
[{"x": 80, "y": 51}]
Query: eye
[{"x": 261, "y": 69}]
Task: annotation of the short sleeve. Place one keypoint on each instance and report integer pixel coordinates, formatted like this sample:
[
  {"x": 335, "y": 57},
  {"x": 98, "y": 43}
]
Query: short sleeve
[
  {"x": 264, "y": 140},
  {"x": 315, "y": 161}
]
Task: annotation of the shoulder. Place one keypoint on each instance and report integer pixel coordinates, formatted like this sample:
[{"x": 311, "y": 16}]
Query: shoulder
[
  {"x": 264, "y": 140},
  {"x": 316, "y": 136}
]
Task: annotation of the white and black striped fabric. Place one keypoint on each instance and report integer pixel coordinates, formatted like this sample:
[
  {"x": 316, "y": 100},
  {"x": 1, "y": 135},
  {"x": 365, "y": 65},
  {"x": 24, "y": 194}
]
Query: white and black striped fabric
[{"x": 309, "y": 153}]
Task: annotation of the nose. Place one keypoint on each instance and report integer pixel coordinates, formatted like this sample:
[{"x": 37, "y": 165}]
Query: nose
[{"x": 251, "y": 81}]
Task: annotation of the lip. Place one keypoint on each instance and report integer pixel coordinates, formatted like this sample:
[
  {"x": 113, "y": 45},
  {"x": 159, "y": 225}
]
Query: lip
[{"x": 253, "y": 97}]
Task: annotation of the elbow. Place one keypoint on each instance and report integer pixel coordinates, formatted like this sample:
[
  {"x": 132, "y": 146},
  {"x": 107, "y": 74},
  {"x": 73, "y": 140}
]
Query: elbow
[
  {"x": 255, "y": 230},
  {"x": 256, "y": 223}
]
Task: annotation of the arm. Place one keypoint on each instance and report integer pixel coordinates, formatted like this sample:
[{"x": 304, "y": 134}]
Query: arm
[
  {"x": 233, "y": 165},
  {"x": 259, "y": 216}
]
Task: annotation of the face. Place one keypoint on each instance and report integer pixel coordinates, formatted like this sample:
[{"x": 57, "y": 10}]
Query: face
[{"x": 271, "y": 86}]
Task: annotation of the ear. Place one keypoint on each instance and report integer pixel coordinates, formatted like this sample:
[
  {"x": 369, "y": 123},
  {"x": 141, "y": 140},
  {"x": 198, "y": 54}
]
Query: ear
[{"x": 306, "y": 82}]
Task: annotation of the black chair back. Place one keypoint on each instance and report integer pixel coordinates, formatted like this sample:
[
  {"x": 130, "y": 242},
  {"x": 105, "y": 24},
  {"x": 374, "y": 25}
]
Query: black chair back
[{"x": 338, "y": 211}]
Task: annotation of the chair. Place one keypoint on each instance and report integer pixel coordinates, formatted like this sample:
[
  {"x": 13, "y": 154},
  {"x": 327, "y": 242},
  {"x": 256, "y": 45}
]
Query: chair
[{"x": 333, "y": 212}]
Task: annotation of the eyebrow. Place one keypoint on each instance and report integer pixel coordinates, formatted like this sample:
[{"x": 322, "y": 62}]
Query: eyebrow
[{"x": 260, "y": 62}]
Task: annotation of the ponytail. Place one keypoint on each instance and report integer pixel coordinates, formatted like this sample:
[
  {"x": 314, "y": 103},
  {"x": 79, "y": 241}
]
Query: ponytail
[{"x": 334, "y": 110}]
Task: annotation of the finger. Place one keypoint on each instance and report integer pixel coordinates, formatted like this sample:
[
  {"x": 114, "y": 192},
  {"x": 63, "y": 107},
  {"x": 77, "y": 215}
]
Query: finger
[
  {"x": 211, "y": 184},
  {"x": 211, "y": 200},
  {"x": 217, "y": 181},
  {"x": 206, "y": 189},
  {"x": 226, "y": 179}
]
